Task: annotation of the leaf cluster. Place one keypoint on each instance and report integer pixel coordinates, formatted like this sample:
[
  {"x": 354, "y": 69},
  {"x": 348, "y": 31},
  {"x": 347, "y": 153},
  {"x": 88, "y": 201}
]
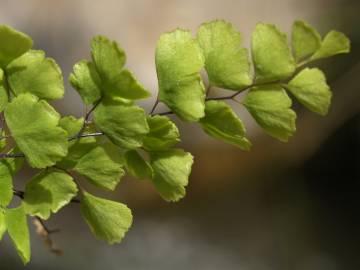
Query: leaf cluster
[{"x": 116, "y": 136}]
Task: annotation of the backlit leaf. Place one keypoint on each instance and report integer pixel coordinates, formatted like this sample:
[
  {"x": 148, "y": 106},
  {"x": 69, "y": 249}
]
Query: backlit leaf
[
  {"x": 305, "y": 40},
  {"x": 334, "y": 43},
  {"x": 126, "y": 86},
  {"x": 35, "y": 74},
  {"x": 108, "y": 220},
  {"x": 2, "y": 223},
  {"x": 311, "y": 89},
  {"x": 271, "y": 108},
  {"x": 34, "y": 126},
  {"x": 102, "y": 166},
  {"x": 178, "y": 62},
  {"x": 18, "y": 230},
  {"x": 3, "y": 92},
  {"x": 86, "y": 81},
  {"x": 47, "y": 192},
  {"x": 163, "y": 133},
  {"x": 221, "y": 122},
  {"x": 13, "y": 44},
  {"x": 171, "y": 172},
  {"x": 108, "y": 57},
  {"x": 226, "y": 62},
  {"x": 137, "y": 166},
  {"x": 6, "y": 185},
  {"x": 271, "y": 54},
  {"x": 122, "y": 121}
]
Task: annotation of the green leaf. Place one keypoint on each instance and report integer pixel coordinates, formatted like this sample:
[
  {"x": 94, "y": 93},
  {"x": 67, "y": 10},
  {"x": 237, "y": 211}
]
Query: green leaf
[
  {"x": 71, "y": 124},
  {"x": 271, "y": 108},
  {"x": 3, "y": 92},
  {"x": 77, "y": 148},
  {"x": 178, "y": 62},
  {"x": 34, "y": 126},
  {"x": 122, "y": 121},
  {"x": 221, "y": 122},
  {"x": 311, "y": 89},
  {"x": 271, "y": 54},
  {"x": 126, "y": 86},
  {"x": 47, "y": 192},
  {"x": 18, "y": 230},
  {"x": 2, "y": 223},
  {"x": 13, "y": 44},
  {"x": 2, "y": 139},
  {"x": 6, "y": 184},
  {"x": 163, "y": 133},
  {"x": 102, "y": 166},
  {"x": 35, "y": 74},
  {"x": 86, "y": 81},
  {"x": 108, "y": 220},
  {"x": 226, "y": 62},
  {"x": 171, "y": 172},
  {"x": 334, "y": 43},
  {"x": 108, "y": 57},
  {"x": 136, "y": 166},
  {"x": 14, "y": 164},
  {"x": 305, "y": 40}
]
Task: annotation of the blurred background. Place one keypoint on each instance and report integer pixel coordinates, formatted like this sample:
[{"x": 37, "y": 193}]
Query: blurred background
[{"x": 281, "y": 206}]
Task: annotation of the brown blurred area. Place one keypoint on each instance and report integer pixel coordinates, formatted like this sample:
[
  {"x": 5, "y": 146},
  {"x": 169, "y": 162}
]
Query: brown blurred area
[{"x": 293, "y": 206}]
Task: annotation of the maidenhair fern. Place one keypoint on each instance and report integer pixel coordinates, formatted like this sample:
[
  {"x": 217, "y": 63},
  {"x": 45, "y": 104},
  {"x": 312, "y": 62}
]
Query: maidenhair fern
[{"x": 116, "y": 136}]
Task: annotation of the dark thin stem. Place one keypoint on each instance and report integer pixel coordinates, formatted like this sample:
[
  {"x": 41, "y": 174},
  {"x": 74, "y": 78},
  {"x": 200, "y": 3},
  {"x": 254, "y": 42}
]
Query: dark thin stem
[
  {"x": 7, "y": 155},
  {"x": 78, "y": 136},
  {"x": 86, "y": 121},
  {"x": 95, "y": 134},
  {"x": 155, "y": 105},
  {"x": 165, "y": 113}
]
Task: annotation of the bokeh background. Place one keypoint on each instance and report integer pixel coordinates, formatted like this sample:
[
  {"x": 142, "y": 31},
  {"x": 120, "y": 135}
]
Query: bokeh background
[{"x": 293, "y": 206}]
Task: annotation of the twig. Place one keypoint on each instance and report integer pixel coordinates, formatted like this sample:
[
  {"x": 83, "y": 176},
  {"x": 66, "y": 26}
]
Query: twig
[
  {"x": 44, "y": 232},
  {"x": 154, "y": 106},
  {"x": 7, "y": 155},
  {"x": 78, "y": 136},
  {"x": 86, "y": 120}
]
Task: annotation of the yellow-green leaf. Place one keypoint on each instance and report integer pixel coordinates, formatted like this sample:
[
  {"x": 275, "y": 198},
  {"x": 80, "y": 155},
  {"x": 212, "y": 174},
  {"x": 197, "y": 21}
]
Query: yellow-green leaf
[
  {"x": 2, "y": 223},
  {"x": 3, "y": 92},
  {"x": 305, "y": 40},
  {"x": 171, "y": 173},
  {"x": 226, "y": 61},
  {"x": 6, "y": 185},
  {"x": 221, "y": 122},
  {"x": 271, "y": 54},
  {"x": 108, "y": 57},
  {"x": 122, "y": 121},
  {"x": 86, "y": 81},
  {"x": 18, "y": 230},
  {"x": 163, "y": 133},
  {"x": 108, "y": 220},
  {"x": 102, "y": 166},
  {"x": 33, "y": 124},
  {"x": 178, "y": 62},
  {"x": 137, "y": 166},
  {"x": 271, "y": 108},
  {"x": 311, "y": 90},
  {"x": 35, "y": 74},
  {"x": 334, "y": 43},
  {"x": 13, "y": 44},
  {"x": 47, "y": 192}
]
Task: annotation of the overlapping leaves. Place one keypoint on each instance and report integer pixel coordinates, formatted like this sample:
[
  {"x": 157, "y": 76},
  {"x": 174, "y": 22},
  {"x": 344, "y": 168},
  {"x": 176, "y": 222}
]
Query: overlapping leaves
[{"x": 143, "y": 145}]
